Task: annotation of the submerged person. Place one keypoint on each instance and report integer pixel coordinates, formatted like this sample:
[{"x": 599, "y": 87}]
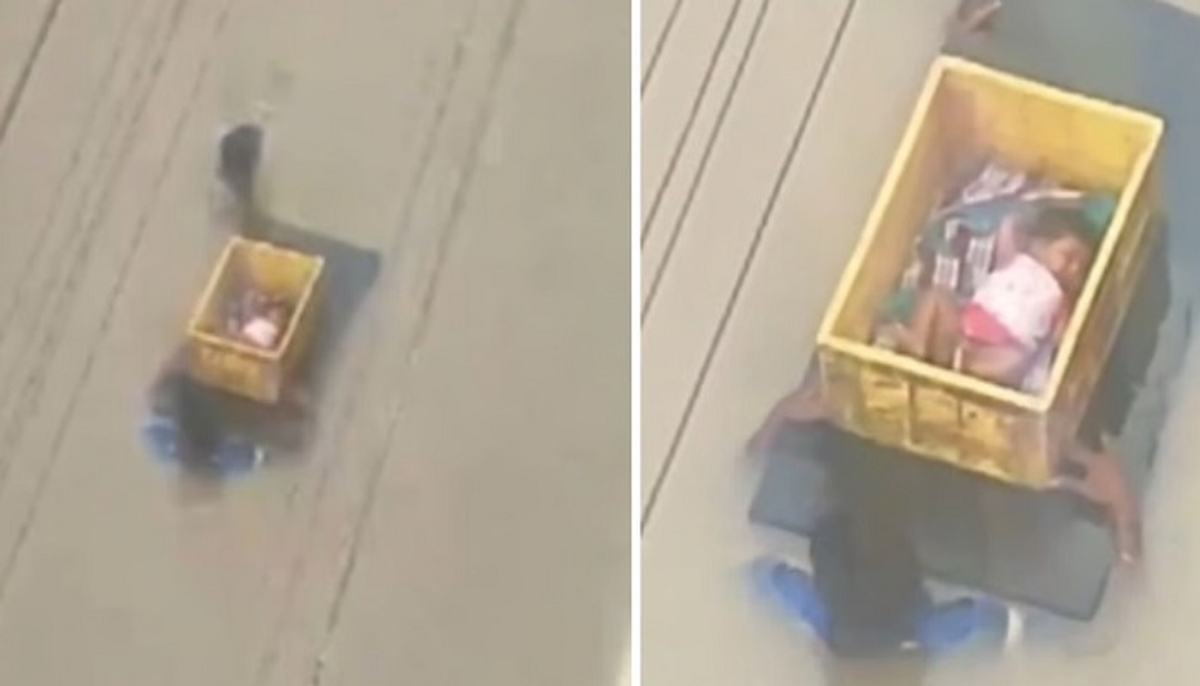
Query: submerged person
[
  {"x": 865, "y": 604},
  {"x": 185, "y": 430},
  {"x": 866, "y": 597}
]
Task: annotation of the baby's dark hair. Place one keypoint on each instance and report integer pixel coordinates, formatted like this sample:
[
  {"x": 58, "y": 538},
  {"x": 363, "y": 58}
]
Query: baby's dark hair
[{"x": 1057, "y": 223}]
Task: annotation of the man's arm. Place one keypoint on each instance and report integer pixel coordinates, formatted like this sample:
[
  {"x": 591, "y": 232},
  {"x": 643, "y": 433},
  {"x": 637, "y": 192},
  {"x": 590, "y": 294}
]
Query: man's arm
[
  {"x": 805, "y": 404},
  {"x": 1104, "y": 483}
]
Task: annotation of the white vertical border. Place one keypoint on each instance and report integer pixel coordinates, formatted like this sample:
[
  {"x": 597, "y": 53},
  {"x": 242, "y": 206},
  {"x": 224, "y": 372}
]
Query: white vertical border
[{"x": 633, "y": 663}]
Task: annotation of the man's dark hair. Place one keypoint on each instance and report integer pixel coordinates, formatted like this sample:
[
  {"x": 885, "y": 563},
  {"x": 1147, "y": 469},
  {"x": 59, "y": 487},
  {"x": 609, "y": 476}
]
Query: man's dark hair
[
  {"x": 864, "y": 561},
  {"x": 196, "y": 415}
]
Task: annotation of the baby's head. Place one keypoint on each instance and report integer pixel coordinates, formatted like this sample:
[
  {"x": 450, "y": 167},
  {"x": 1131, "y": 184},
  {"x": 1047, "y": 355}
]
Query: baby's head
[
  {"x": 1063, "y": 242},
  {"x": 278, "y": 312}
]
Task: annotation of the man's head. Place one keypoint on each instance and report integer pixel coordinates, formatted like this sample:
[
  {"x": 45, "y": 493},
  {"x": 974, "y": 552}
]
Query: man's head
[
  {"x": 192, "y": 409},
  {"x": 1062, "y": 240}
]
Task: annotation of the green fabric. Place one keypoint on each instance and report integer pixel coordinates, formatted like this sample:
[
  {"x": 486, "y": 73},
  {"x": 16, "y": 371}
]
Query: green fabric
[
  {"x": 898, "y": 306},
  {"x": 1099, "y": 209}
]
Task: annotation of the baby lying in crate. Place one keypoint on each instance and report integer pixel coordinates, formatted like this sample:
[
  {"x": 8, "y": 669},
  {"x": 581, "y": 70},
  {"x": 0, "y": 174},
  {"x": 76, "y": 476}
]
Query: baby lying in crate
[
  {"x": 258, "y": 319},
  {"x": 1008, "y": 328},
  {"x": 994, "y": 276}
]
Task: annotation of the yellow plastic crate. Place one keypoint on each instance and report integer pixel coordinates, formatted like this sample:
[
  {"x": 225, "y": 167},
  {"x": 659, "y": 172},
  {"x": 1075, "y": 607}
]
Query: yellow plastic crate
[
  {"x": 935, "y": 412},
  {"x": 219, "y": 361}
]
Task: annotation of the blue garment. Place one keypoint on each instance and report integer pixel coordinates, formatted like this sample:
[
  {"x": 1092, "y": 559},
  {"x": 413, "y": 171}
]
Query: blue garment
[
  {"x": 233, "y": 456},
  {"x": 940, "y": 629}
]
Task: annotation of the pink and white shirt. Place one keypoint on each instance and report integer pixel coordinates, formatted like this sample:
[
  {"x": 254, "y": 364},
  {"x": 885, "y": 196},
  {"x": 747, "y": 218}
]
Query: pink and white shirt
[{"x": 1024, "y": 298}]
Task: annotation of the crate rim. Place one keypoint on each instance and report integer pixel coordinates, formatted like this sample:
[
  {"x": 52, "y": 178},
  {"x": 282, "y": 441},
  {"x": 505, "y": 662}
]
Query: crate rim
[{"x": 1139, "y": 117}]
